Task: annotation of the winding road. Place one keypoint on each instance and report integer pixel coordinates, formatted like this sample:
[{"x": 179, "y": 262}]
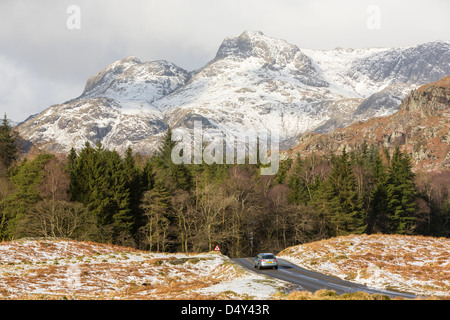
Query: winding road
[{"x": 307, "y": 280}]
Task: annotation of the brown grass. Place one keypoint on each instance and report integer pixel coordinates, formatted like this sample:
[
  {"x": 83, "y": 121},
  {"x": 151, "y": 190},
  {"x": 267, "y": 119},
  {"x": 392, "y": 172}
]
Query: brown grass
[
  {"x": 332, "y": 295},
  {"x": 423, "y": 260},
  {"x": 105, "y": 272}
]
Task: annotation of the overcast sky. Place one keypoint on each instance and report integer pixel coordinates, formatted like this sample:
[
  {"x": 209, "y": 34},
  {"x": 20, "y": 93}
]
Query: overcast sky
[{"x": 47, "y": 53}]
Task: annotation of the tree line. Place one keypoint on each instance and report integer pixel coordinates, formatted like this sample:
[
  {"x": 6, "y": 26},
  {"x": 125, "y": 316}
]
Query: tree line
[{"x": 150, "y": 203}]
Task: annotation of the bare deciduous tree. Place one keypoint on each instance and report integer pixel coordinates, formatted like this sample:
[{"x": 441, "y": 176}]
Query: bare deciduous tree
[
  {"x": 55, "y": 184},
  {"x": 59, "y": 219}
]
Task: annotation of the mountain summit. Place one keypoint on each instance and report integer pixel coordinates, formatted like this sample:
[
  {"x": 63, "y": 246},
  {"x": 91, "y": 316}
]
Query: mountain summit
[
  {"x": 130, "y": 79},
  {"x": 254, "y": 82},
  {"x": 277, "y": 55}
]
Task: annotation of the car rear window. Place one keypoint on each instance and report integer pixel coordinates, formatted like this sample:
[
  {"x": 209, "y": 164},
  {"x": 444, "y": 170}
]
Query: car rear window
[{"x": 268, "y": 256}]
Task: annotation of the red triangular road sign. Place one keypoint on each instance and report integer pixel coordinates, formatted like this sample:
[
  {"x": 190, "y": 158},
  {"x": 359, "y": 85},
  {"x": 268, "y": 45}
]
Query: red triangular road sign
[{"x": 217, "y": 248}]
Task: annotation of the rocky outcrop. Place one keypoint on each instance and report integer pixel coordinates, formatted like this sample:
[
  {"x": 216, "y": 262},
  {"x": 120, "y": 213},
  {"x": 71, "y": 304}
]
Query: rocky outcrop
[
  {"x": 420, "y": 127},
  {"x": 405, "y": 65}
]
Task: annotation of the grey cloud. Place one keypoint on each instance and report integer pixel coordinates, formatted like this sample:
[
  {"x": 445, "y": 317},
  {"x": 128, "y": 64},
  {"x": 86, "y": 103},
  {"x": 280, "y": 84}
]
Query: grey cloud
[{"x": 50, "y": 58}]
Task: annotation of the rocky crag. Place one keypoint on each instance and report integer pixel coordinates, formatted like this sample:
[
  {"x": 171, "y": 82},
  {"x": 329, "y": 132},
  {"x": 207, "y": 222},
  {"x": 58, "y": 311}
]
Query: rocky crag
[{"x": 420, "y": 127}]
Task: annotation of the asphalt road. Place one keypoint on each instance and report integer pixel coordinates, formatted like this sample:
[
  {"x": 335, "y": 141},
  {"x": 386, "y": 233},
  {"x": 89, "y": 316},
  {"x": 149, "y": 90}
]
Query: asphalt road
[{"x": 307, "y": 280}]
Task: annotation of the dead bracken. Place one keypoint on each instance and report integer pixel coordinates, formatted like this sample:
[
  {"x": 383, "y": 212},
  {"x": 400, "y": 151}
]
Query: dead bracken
[
  {"x": 415, "y": 264},
  {"x": 66, "y": 269}
]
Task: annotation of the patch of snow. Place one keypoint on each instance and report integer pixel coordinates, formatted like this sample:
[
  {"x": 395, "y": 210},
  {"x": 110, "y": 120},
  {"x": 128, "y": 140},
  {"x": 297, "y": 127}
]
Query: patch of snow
[
  {"x": 89, "y": 270},
  {"x": 415, "y": 264}
]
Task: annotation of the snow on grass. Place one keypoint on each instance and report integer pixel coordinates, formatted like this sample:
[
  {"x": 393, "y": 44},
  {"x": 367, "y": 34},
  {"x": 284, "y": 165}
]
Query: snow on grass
[
  {"x": 415, "y": 264},
  {"x": 49, "y": 269}
]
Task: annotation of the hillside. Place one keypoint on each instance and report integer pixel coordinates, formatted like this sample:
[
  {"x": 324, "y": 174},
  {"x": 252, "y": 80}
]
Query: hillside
[
  {"x": 420, "y": 127},
  {"x": 58, "y": 269},
  {"x": 54, "y": 269},
  {"x": 415, "y": 264}
]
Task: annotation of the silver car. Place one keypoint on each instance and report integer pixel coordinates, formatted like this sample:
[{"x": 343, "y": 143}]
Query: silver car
[{"x": 265, "y": 260}]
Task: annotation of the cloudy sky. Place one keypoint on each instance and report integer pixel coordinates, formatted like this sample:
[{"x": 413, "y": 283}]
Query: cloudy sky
[{"x": 48, "y": 49}]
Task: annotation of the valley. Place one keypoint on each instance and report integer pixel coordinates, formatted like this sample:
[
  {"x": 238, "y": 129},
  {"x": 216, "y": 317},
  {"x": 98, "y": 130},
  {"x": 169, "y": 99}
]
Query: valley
[{"x": 48, "y": 269}]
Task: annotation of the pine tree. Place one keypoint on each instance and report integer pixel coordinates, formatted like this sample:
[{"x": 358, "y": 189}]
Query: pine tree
[
  {"x": 379, "y": 219},
  {"x": 80, "y": 174},
  {"x": 181, "y": 176},
  {"x": 155, "y": 206},
  {"x": 378, "y": 216},
  {"x": 135, "y": 185},
  {"x": 339, "y": 200},
  {"x": 119, "y": 196},
  {"x": 401, "y": 192},
  {"x": 392, "y": 200},
  {"x": 99, "y": 202},
  {"x": 100, "y": 181},
  {"x": 174, "y": 176},
  {"x": 71, "y": 160},
  {"x": 147, "y": 177},
  {"x": 164, "y": 152},
  {"x": 8, "y": 149},
  {"x": 298, "y": 186},
  {"x": 281, "y": 175}
]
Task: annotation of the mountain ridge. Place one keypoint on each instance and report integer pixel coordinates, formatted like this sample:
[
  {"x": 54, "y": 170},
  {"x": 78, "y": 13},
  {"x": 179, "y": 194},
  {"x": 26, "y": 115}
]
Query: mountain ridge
[
  {"x": 253, "y": 82},
  {"x": 420, "y": 127}
]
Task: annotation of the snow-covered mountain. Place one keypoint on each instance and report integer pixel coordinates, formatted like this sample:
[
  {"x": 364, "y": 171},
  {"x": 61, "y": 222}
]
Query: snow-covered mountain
[
  {"x": 131, "y": 80},
  {"x": 254, "y": 82},
  {"x": 114, "y": 108},
  {"x": 380, "y": 76}
]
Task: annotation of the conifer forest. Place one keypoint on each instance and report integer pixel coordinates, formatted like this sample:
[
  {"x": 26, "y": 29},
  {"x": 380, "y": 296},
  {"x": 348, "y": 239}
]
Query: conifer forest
[{"x": 150, "y": 203}]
